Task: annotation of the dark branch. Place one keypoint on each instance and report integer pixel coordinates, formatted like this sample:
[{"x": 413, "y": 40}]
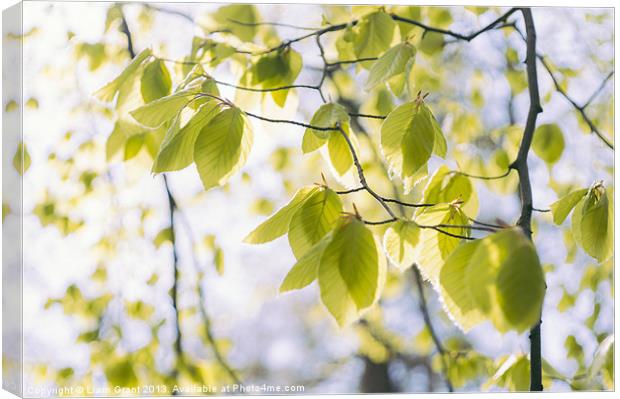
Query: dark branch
[
  {"x": 429, "y": 324},
  {"x": 581, "y": 109},
  {"x": 456, "y": 35},
  {"x": 170, "y": 12},
  {"x": 272, "y": 24},
  {"x": 525, "y": 188},
  {"x": 482, "y": 177}
]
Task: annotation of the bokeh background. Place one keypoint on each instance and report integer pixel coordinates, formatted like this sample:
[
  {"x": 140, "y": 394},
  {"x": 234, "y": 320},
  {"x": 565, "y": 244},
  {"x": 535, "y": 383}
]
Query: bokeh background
[{"x": 92, "y": 263}]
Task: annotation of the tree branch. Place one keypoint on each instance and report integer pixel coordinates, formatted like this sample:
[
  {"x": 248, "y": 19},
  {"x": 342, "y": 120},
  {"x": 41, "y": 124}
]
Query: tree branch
[
  {"x": 525, "y": 188},
  {"x": 429, "y": 325},
  {"x": 581, "y": 109},
  {"x": 354, "y": 108},
  {"x": 170, "y": 12},
  {"x": 456, "y": 35},
  {"x": 178, "y": 348},
  {"x": 219, "y": 356}
]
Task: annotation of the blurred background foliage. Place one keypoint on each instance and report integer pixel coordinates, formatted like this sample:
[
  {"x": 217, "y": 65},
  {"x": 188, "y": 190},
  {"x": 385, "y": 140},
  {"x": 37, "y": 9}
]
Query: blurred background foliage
[{"x": 117, "y": 296}]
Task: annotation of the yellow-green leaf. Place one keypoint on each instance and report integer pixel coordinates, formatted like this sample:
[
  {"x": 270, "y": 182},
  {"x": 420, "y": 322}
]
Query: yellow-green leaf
[
  {"x": 562, "y": 207},
  {"x": 374, "y": 35},
  {"x": 222, "y": 147},
  {"x": 305, "y": 271},
  {"x": 155, "y": 82},
  {"x": 390, "y": 64},
  {"x": 455, "y": 294},
  {"x": 400, "y": 241},
  {"x": 228, "y": 17},
  {"x": 109, "y": 91},
  {"x": 596, "y": 224},
  {"x": 506, "y": 280},
  {"x": 408, "y": 138},
  {"x": 313, "y": 220},
  {"x": 278, "y": 224},
  {"x": 351, "y": 272},
  {"x": 548, "y": 142},
  {"x": 164, "y": 109},
  {"x": 177, "y": 149},
  {"x": 21, "y": 159}
]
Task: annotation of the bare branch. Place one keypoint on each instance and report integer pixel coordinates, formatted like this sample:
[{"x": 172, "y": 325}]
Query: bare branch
[
  {"x": 525, "y": 188},
  {"x": 272, "y": 24},
  {"x": 170, "y": 12},
  {"x": 429, "y": 325},
  {"x": 581, "y": 109},
  {"x": 482, "y": 177},
  {"x": 456, "y": 35}
]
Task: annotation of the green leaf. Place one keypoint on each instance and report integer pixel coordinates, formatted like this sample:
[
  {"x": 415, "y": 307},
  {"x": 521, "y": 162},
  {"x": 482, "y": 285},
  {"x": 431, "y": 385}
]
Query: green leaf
[
  {"x": 431, "y": 43},
  {"x": 455, "y": 294},
  {"x": 122, "y": 131},
  {"x": 305, "y": 271},
  {"x": 548, "y": 142},
  {"x": 278, "y": 69},
  {"x": 562, "y": 207},
  {"x": 400, "y": 241},
  {"x": 447, "y": 187},
  {"x": 218, "y": 260},
  {"x": 506, "y": 280},
  {"x": 109, "y": 91},
  {"x": 177, "y": 149},
  {"x": 435, "y": 246},
  {"x": 374, "y": 35},
  {"x": 245, "y": 13},
  {"x": 164, "y": 235},
  {"x": 604, "y": 355},
  {"x": 597, "y": 224},
  {"x": 222, "y": 147},
  {"x": 313, "y": 220},
  {"x": 390, "y": 64},
  {"x": 408, "y": 138},
  {"x": 521, "y": 286},
  {"x": 278, "y": 224},
  {"x": 340, "y": 155},
  {"x": 514, "y": 373},
  {"x": 164, "y": 109},
  {"x": 328, "y": 115},
  {"x": 133, "y": 145},
  {"x": 21, "y": 159},
  {"x": 120, "y": 372},
  {"x": 351, "y": 271},
  {"x": 155, "y": 82}
]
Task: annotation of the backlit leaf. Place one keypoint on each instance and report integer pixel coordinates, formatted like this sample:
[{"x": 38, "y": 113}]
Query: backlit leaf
[
  {"x": 155, "y": 82},
  {"x": 399, "y": 242},
  {"x": 548, "y": 143},
  {"x": 313, "y": 220},
  {"x": 390, "y": 64},
  {"x": 164, "y": 109},
  {"x": 374, "y": 35},
  {"x": 278, "y": 224},
  {"x": 222, "y": 147},
  {"x": 21, "y": 159},
  {"x": 110, "y": 90},
  {"x": 562, "y": 207},
  {"x": 350, "y": 271},
  {"x": 177, "y": 149}
]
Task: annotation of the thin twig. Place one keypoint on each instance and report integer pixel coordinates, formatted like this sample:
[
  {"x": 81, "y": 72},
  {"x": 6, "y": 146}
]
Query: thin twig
[
  {"x": 456, "y": 35},
  {"x": 272, "y": 24},
  {"x": 430, "y": 327},
  {"x": 482, "y": 177},
  {"x": 170, "y": 12},
  {"x": 219, "y": 356},
  {"x": 581, "y": 109}
]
